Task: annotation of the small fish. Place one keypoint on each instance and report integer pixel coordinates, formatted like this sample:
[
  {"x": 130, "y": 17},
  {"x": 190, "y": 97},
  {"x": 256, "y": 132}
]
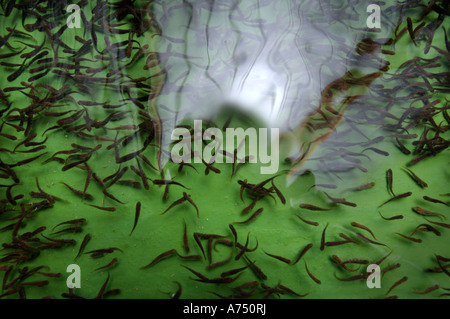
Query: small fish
[
  {"x": 342, "y": 201},
  {"x": 416, "y": 240},
  {"x": 74, "y": 229},
  {"x": 51, "y": 275},
  {"x": 280, "y": 258},
  {"x": 439, "y": 224},
  {"x": 136, "y": 216},
  {"x": 389, "y": 180},
  {"x": 341, "y": 263},
  {"x": 244, "y": 248},
  {"x": 185, "y": 239},
  {"x": 322, "y": 240},
  {"x": 199, "y": 243},
  {"x": 399, "y": 282},
  {"x": 291, "y": 291},
  {"x": 362, "y": 187},
  {"x": 426, "y": 227},
  {"x": 233, "y": 230},
  {"x": 160, "y": 257},
  {"x": 358, "y": 225},
  {"x": 175, "y": 203},
  {"x": 313, "y": 207},
  {"x": 101, "y": 292},
  {"x": 434, "y": 200},
  {"x": 179, "y": 291},
  {"x": 233, "y": 271},
  {"x": 391, "y": 218},
  {"x": 302, "y": 253},
  {"x": 189, "y": 199},
  {"x": 250, "y": 207},
  {"x": 427, "y": 290},
  {"x": 86, "y": 239},
  {"x": 256, "y": 269},
  {"x": 72, "y": 222},
  {"x": 101, "y": 252},
  {"x": 78, "y": 192},
  {"x": 424, "y": 212},
  {"x": 416, "y": 178},
  {"x": 399, "y": 196},
  {"x": 251, "y": 218},
  {"x": 106, "y": 209},
  {"x": 219, "y": 263},
  {"x": 279, "y": 194},
  {"x": 308, "y": 221},
  {"x": 353, "y": 278},
  {"x": 112, "y": 263},
  {"x": 403, "y": 148},
  {"x": 376, "y": 150},
  {"x": 369, "y": 240},
  {"x": 311, "y": 275},
  {"x": 40, "y": 283}
]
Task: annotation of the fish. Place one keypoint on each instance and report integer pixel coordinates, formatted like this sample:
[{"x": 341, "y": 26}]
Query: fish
[
  {"x": 313, "y": 207},
  {"x": 439, "y": 224},
  {"x": 78, "y": 192},
  {"x": 342, "y": 201},
  {"x": 160, "y": 257},
  {"x": 352, "y": 278},
  {"x": 358, "y": 225},
  {"x": 233, "y": 271},
  {"x": 311, "y": 275},
  {"x": 83, "y": 245},
  {"x": 109, "y": 265},
  {"x": 369, "y": 240},
  {"x": 233, "y": 230},
  {"x": 219, "y": 263},
  {"x": 280, "y": 258},
  {"x": 402, "y": 147},
  {"x": 179, "y": 291},
  {"x": 136, "y": 217},
  {"x": 279, "y": 194},
  {"x": 250, "y": 207},
  {"x": 308, "y": 221},
  {"x": 397, "y": 283},
  {"x": 397, "y": 197},
  {"x": 256, "y": 269},
  {"x": 426, "y": 227},
  {"x": 427, "y": 290},
  {"x": 175, "y": 203},
  {"x": 424, "y": 212},
  {"x": 100, "y": 294},
  {"x": 391, "y": 218},
  {"x": 322, "y": 240},
  {"x": 302, "y": 253},
  {"x": 185, "y": 239},
  {"x": 74, "y": 229},
  {"x": 434, "y": 200},
  {"x": 389, "y": 179},
  {"x": 107, "y": 209},
  {"x": 416, "y": 178},
  {"x": 362, "y": 187},
  {"x": 251, "y": 218}
]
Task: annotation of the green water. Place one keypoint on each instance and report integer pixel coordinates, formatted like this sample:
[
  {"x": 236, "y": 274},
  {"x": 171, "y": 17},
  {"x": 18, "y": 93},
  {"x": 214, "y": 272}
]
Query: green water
[{"x": 178, "y": 98}]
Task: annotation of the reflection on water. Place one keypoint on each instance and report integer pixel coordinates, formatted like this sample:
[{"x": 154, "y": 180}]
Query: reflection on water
[{"x": 271, "y": 59}]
